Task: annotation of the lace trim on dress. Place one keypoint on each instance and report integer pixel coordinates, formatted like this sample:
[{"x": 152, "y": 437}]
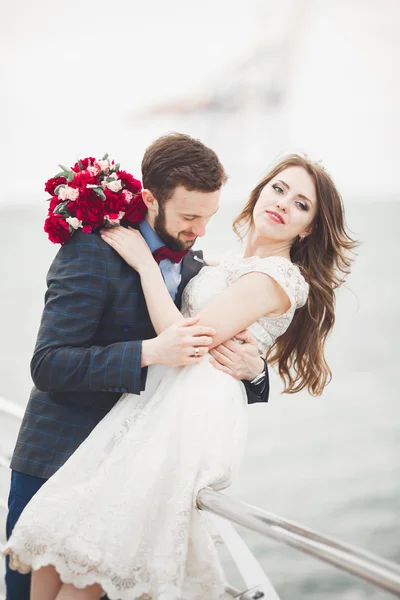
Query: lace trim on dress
[
  {"x": 282, "y": 270},
  {"x": 84, "y": 569}
]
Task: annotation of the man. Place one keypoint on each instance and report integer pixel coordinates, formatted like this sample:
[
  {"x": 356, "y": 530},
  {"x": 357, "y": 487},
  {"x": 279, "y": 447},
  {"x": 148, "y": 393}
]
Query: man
[{"x": 96, "y": 339}]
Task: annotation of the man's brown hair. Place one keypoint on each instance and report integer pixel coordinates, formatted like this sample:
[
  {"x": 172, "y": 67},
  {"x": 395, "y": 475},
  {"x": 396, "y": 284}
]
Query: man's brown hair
[{"x": 178, "y": 159}]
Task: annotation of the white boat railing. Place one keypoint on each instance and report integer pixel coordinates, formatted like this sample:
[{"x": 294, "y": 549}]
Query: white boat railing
[
  {"x": 364, "y": 565},
  {"x": 374, "y": 569}
]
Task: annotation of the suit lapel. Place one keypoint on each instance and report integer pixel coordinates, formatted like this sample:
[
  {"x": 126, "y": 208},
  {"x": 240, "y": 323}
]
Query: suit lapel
[{"x": 192, "y": 263}]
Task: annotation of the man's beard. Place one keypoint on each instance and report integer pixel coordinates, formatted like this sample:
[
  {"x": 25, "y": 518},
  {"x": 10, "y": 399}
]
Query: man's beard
[{"x": 169, "y": 240}]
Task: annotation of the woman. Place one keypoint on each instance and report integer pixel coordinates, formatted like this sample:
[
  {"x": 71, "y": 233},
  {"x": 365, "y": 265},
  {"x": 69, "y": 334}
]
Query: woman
[{"x": 120, "y": 516}]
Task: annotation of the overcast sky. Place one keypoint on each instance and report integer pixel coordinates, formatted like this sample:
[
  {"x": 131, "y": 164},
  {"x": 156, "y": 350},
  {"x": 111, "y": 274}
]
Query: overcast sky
[{"x": 72, "y": 73}]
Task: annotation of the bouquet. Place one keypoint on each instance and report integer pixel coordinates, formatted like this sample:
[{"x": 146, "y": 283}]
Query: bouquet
[{"x": 90, "y": 195}]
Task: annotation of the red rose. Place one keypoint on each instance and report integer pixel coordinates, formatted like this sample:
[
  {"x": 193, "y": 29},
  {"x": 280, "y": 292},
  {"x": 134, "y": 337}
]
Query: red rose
[
  {"x": 71, "y": 207},
  {"x": 90, "y": 209},
  {"x": 84, "y": 162},
  {"x": 129, "y": 182},
  {"x": 54, "y": 202},
  {"x": 136, "y": 210},
  {"x": 57, "y": 229},
  {"x": 114, "y": 203},
  {"x": 82, "y": 178},
  {"x": 52, "y": 183}
]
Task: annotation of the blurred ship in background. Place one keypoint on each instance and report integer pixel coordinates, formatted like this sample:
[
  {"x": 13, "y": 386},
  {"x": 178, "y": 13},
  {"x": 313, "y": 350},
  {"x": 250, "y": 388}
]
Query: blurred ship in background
[{"x": 321, "y": 77}]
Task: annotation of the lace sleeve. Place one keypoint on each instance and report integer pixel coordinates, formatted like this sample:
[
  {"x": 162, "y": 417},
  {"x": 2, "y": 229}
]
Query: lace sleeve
[{"x": 284, "y": 272}]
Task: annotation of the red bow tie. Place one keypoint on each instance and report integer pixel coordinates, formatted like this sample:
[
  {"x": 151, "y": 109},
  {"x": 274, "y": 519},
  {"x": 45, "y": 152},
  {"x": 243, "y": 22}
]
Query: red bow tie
[{"x": 173, "y": 255}]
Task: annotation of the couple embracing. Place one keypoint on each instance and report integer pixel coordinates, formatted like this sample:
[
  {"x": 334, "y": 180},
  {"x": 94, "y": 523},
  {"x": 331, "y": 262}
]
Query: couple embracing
[{"x": 141, "y": 387}]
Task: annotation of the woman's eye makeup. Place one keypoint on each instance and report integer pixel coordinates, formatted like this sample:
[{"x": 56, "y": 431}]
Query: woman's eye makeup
[{"x": 279, "y": 190}]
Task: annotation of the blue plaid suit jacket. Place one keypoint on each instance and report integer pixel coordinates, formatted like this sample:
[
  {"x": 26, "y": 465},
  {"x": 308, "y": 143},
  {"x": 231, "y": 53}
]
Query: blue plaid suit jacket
[{"x": 88, "y": 350}]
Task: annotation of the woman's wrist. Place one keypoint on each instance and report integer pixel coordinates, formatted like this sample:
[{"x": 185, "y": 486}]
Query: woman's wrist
[{"x": 148, "y": 267}]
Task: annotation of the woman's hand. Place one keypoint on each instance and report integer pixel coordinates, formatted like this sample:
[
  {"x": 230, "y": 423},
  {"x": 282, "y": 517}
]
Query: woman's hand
[{"x": 130, "y": 245}]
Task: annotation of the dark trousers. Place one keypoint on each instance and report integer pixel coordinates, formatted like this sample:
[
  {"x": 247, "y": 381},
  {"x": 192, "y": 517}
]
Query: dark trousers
[{"x": 23, "y": 488}]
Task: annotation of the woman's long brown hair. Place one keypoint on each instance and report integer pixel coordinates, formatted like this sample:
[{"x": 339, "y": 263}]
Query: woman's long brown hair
[{"x": 324, "y": 259}]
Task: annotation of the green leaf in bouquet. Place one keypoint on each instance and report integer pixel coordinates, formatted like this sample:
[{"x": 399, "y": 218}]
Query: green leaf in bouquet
[
  {"x": 105, "y": 157},
  {"x": 65, "y": 169},
  {"x": 70, "y": 176},
  {"x": 99, "y": 192},
  {"x": 57, "y": 189},
  {"x": 115, "y": 168},
  {"x": 60, "y": 174},
  {"x": 61, "y": 209},
  {"x": 80, "y": 165}
]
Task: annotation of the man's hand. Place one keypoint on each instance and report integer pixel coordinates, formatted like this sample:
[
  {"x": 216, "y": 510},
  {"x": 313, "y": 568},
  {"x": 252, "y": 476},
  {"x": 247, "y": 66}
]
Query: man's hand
[
  {"x": 241, "y": 361},
  {"x": 183, "y": 343}
]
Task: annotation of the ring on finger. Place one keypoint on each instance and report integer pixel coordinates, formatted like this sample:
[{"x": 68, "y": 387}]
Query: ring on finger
[{"x": 196, "y": 351}]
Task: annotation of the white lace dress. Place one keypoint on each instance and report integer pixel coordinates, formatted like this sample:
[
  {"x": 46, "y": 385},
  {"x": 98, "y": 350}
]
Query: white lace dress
[{"x": 122, "y": 510}]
